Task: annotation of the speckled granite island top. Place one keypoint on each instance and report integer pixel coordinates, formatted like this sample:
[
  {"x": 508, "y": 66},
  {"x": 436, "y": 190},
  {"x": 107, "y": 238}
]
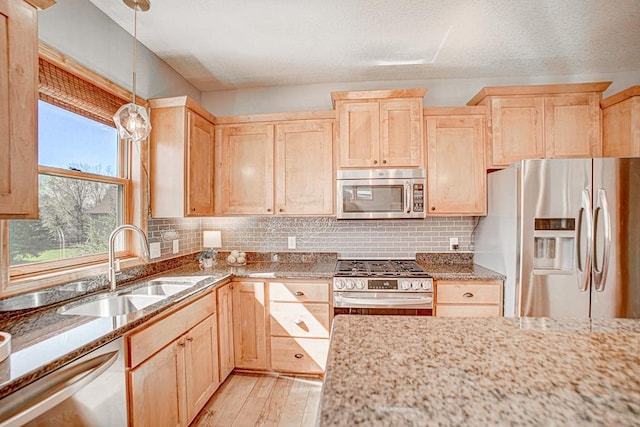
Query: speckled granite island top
[{"x": 424, "y": 371}]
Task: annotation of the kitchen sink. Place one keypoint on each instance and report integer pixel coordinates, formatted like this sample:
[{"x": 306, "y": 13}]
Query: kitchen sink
[
  {"x": 161, "y": 288},
  {"x": 114, "y": 305}
]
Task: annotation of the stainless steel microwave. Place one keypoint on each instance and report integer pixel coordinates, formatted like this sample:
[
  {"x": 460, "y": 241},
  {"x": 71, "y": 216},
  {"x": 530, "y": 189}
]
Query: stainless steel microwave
[{"x": 380, "y": 193}]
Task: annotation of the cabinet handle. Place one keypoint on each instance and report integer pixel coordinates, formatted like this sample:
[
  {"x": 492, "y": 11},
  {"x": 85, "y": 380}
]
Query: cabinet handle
[
  {"x": 298, "y": 355},
  {"x": 298, "y": 293},
  {"x": 384, "y": 162},
  {"x": 375, "y": 162},
  {"x": 299, "y": 321},
  {"x": 467, "y": 295}
]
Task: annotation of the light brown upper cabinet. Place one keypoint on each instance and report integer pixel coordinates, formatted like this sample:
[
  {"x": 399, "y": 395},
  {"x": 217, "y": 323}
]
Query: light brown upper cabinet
[
  {"x": 380, "y": 128},
  {"x": 275, "y": 167},
  {"x": 542, "y": 121},
  {"x": 621, "y": 124},
  {"x": 456, "y": 177},
  {"x": 181, "y": 155},
  {"x": 18, "y": 108}
]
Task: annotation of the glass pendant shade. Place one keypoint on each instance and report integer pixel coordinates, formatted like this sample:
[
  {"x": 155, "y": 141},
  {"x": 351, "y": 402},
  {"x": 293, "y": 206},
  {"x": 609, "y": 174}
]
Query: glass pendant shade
[{"x": 132, "y": 122}]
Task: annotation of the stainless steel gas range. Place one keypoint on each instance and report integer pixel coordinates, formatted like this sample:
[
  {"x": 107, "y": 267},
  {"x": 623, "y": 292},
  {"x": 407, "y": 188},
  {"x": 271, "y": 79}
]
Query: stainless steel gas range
[{"x": 382, "y": 287}]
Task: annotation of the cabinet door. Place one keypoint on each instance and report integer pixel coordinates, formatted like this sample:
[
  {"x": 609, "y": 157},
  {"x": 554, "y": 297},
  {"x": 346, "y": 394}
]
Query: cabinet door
[
  {"x": 517, "y": 129},
  {"x": 249, "y": 325},
  {"x": 201, "y": 362},
  {"x": 18, "y": 106},
  {"x": 247, "y": 176},
  {"x": 304, "y": 168},
  {"x": 157, "y": 389},
  {"x": 225, "y": 330},
  {"x": 456, "y": 181},
  {"x": 358, "y": 134},
  {"x": 572, "y": 126},
  {"x": 199, "y": 179},
  {"x": 401, "y": 133}
]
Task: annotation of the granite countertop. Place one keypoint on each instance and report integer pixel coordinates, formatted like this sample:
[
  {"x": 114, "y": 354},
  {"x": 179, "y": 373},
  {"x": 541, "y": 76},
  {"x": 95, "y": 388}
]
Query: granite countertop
[
  {"x": 44, "y": 340},
  {"x": 419, "y": 371},
  {"x": 455, "y": 266}
]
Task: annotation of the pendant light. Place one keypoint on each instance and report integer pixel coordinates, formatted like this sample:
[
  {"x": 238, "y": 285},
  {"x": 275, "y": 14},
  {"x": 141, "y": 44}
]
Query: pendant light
[{"x": 132, "y": 120}]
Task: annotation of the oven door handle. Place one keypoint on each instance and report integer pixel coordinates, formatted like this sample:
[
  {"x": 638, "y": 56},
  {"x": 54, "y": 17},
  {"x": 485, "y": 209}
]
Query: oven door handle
[{"x": 386, "y": 302}]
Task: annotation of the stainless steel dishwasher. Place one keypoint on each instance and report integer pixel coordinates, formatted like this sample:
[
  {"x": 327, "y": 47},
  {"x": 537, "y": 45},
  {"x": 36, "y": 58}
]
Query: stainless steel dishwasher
[{"x": 90, "y": 391}]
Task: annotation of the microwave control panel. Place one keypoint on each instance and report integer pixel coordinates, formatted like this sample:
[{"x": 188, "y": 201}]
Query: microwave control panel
[{"x": 418, "y": 197}]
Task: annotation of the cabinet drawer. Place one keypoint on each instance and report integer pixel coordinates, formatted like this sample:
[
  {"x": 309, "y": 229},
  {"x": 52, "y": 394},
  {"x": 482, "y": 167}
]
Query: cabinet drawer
[
  {"x": 300, "y": 320},
  {"x": 468, "y": 292},
  {"x": 299, "y": 291},
  {"x": 300, "y": 355},
  {"x": 144, "y": 343},
  {"x": 468, "y": 310}
]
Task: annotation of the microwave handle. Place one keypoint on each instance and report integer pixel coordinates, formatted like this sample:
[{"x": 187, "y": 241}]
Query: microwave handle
[{"x": 407, "y": 206}]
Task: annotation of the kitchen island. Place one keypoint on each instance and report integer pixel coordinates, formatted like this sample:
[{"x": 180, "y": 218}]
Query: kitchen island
[{"x": 419, "y": 371}]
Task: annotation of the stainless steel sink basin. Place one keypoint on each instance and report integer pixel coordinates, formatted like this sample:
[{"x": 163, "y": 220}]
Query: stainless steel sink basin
[
  {"x": 161, "y": 288},
  {"x": 115, "y": 305}
]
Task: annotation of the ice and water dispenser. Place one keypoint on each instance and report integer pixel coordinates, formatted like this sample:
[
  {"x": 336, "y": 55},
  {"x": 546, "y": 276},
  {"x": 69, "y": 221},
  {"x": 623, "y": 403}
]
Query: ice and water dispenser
[{"x": 553, "y": 245}]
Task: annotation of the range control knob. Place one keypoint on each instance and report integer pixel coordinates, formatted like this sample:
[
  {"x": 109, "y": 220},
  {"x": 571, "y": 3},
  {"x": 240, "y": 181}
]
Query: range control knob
[
  {"x": 350, "y": 284},
  {"x": 360, "y": 284},
  {"x": 427, "y": 285},
  {"x": 405, "y": 285},
  {"x": 415, "y": 284},
  {"x": 339, "y": 283}
]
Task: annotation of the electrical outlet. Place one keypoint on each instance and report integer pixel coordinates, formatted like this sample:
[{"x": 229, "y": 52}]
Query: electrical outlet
[
  {"x": 176, "y": 246},
  {"x": 154, "y": 250},
  {"x": 453, "y": 243},
  {"x": 292, "y": 242}
]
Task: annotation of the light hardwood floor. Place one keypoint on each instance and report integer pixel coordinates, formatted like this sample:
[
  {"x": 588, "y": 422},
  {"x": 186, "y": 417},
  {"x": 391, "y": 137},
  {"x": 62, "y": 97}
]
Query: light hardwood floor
[{"x": 262, "y": 400}]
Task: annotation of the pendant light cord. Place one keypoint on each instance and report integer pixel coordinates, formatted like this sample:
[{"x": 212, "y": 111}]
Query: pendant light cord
[{"x": 135, "y": 39}]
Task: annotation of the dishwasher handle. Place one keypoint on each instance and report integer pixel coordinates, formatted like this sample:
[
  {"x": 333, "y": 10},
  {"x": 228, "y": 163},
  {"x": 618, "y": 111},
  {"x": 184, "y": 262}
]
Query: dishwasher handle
[{"x": 39, "y": 397}]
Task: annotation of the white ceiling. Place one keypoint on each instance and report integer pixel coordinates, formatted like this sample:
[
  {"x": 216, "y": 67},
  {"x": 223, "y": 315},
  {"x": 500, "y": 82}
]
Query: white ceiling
[{"x": 223, "y": 44}]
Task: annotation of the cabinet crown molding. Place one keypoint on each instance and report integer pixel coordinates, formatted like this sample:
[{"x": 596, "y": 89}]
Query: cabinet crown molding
[
  {"x": 182, "y": 101},
  {"x": 629, "y": 92},
  {"x": 41, "y": 4},
  {"x": 377, "y": 94},
  {"x": 538, "y": 90}
]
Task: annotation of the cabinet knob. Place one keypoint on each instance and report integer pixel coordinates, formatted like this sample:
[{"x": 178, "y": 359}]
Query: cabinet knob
[
  {"x": 298, "y": 355},
  {"x": 181, "y": 344},
  {"x": 384, "y": 162},
  {"x": 190, "y": 339},
  {"x": 268, "y": 209},
  {"x": 193, "y": 209},
  {"x": 298, "y": 321},
  {"x": 468, "y": 295},
  {"x": 433, "y": 208},
  {"x": 280, "y": 210},
  {"x": 298, "y": 293},
  {"x": 375, "y": 162}
]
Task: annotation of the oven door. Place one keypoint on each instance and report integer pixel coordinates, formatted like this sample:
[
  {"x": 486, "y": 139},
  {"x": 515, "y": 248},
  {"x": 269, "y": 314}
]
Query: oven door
[{"x": 375, "y": 199}]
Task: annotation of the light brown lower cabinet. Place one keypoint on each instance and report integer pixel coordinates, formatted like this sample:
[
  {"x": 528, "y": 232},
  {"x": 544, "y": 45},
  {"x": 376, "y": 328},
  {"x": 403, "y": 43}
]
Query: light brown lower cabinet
[
  {"x": 224, "y": 298},
  {"x": 249, "y": 325},
  {"x": 470, "y": 298},
  {"x": 173, "y": 366}
]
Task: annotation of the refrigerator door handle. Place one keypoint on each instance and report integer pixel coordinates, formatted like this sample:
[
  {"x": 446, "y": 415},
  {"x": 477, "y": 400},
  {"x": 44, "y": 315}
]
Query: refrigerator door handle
[
  {"x": 600, "y": 275},
  {"x": 584, "y": 213}
]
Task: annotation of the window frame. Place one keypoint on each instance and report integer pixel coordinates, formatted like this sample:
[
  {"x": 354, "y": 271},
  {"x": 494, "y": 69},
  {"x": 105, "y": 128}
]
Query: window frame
[{"x": 27, "y": 277}]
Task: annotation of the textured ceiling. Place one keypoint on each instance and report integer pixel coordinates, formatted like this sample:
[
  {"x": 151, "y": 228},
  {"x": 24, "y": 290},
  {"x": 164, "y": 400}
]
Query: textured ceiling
[{"x": 223, "y": 44}]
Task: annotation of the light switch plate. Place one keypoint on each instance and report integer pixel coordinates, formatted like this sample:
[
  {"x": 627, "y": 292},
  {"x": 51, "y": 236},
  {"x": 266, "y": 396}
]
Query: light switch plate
[
  {"x": 176, "y": 246},
  {"x": 292, "y": 242},
  {"x": 154, "y": 250}
]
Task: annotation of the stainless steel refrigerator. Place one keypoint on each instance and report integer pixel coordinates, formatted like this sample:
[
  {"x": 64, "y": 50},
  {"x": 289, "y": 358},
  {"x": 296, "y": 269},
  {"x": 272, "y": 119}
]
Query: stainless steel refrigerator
[{"x": 566, "y": 233}]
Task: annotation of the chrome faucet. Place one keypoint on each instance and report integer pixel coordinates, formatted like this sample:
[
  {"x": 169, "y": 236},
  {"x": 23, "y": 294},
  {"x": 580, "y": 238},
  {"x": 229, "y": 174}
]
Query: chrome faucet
[{"x": 112, "y": 257}]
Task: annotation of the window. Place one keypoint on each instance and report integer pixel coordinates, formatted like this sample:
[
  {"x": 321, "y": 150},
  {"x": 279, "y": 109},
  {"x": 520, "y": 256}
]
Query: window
[{"x": 84, "y": 183}]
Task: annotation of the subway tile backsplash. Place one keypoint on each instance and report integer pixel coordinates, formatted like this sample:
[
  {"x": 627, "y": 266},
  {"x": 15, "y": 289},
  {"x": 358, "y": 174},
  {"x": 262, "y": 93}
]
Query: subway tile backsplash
[{"x": 351, "y": 238}]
